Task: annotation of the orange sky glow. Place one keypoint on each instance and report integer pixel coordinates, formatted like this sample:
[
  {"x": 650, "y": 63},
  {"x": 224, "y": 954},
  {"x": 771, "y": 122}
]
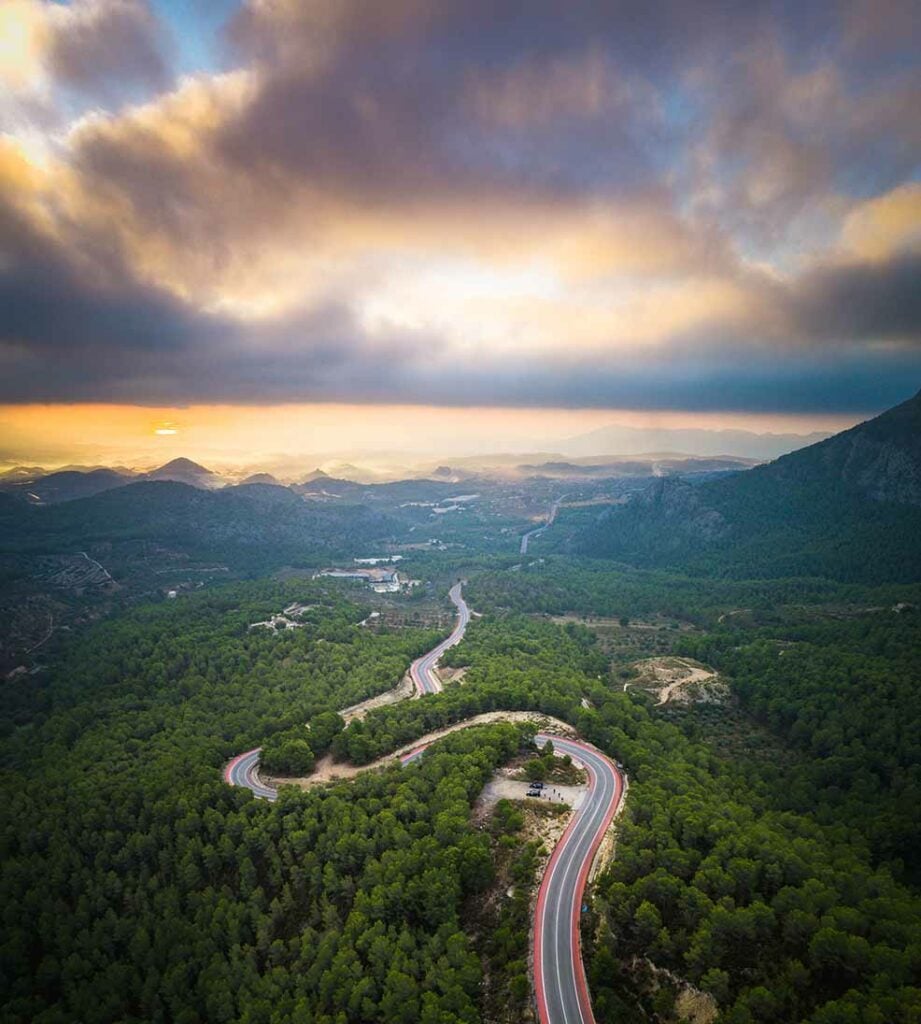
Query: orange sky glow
[{"x": 233, "y": 435}]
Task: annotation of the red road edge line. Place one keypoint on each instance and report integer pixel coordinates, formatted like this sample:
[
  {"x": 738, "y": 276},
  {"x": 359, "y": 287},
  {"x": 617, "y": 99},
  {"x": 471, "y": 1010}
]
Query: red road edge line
[
  {"x": 581, "y": 980},
  {"x": 235, "y": 761},
  {"x": 413, "y": 753}
]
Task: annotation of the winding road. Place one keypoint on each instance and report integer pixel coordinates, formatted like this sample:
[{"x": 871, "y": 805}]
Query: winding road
[
  {"x": 243, "y": 770},
  {"x": 560, "y": 985},
  {"x": 422, "y": 671}
]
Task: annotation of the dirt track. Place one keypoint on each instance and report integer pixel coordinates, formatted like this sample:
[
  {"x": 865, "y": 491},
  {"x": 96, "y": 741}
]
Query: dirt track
[{"x": 328, "y": 770}]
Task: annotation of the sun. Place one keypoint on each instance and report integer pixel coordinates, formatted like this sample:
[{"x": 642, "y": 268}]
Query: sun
[{"x": 166, "y": 429}]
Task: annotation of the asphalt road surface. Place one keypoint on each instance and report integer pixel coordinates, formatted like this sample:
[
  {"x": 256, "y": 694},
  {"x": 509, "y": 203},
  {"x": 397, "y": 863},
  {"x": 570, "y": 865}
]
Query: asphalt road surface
[
  {"x": 422, "y": 670},
  {"x": 559, "y": 974},
  {"x": 243, "y": 771}
]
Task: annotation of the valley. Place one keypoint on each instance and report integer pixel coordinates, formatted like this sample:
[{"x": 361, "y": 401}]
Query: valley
[{"x": 766, "y": 725}]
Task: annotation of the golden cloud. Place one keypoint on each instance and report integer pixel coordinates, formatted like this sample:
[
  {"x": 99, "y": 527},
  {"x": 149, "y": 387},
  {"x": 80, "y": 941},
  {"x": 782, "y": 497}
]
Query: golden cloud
[
  {"x": 886, "y": 225},
  {"x": 23, "y": 44}
]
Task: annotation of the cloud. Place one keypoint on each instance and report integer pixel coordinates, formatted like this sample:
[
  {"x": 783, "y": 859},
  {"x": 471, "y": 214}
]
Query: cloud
[
  {"x": 98, "y": 45},
  {"x": 102, "y": 49},
  {"x": 874, "y": 302},
  {"x": 885, "y": 225},
  {"x": 433, "y": 201}
]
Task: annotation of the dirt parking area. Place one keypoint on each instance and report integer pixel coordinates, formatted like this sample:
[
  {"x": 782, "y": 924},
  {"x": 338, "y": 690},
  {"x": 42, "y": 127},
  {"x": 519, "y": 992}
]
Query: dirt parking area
[{"x": 502, "y": 787}]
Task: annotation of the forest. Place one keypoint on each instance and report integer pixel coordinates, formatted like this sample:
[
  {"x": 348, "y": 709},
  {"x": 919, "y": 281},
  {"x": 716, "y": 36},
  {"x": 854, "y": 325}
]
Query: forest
[{"x": 138, "y": 887}]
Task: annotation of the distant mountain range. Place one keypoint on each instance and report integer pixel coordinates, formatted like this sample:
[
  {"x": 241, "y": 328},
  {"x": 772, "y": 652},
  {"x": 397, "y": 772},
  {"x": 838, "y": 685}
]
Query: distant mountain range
[
  {"x": 618, "y": 440},
  {"x": 250, "y": 525},
  {"x": 847, "y": 507},
  {"x": 639, "y": 466},
  {"x": 185, "y": 471},
  {"x": 41, "y": 487}
]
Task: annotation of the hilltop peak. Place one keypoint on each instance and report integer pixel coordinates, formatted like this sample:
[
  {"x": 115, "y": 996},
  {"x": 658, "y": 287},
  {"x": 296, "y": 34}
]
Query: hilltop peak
[
  {"x": 181, "y": 464},
  {"x": 187, "y": 472}
]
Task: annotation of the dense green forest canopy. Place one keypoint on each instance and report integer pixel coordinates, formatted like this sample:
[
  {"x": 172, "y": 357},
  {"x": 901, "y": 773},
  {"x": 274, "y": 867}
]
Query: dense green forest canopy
[
  {"x": 783, "y": 917},
  {"x": 137, "y": 886},
  {"x": 844, "y": 692},
  {"x": 559, "y": 585}
]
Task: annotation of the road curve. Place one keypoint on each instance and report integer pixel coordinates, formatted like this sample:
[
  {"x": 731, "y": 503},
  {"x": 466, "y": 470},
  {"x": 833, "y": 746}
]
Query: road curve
[
  {"x": 560, "y": 985},
  {"x": 422, "y": 670},
  {"x": 243, "y": 770}
]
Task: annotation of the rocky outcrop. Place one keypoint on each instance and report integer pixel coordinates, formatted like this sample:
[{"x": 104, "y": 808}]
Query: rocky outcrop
[{"x": 679, "y": 507}]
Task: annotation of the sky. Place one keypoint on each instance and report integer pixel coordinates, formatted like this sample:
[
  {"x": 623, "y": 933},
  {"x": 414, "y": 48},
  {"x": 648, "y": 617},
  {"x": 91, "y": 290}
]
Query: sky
[{"x": 431, "y": 220}]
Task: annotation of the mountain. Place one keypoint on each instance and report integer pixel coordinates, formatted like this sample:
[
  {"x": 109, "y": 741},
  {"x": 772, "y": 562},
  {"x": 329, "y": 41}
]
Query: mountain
[
  {"x": 185, "y": 471},
  {"x": 261, "y": 478},
  {"x": 617, "y": 440},
  {"x": 444, "y": 473},
  {"x": 880, "y": 459},
  {"x": 21, "y": 474},
  {"x": 68, "y": 485},
  {"x": 355, "y": 474},
  {"x": 641, "y": 465},
  {"x": 249, "y": 526},
  {"x": 848, "y": 507}
]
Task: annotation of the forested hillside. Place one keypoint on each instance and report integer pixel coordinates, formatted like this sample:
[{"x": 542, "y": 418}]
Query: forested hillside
[
  {"x": 253, "y": 525},
  {"x": 848, "y": 508},
  {"x": 844, "y": 692},
  {"x": 137, "y": 886},
  {"x": 778, "y": 915}
]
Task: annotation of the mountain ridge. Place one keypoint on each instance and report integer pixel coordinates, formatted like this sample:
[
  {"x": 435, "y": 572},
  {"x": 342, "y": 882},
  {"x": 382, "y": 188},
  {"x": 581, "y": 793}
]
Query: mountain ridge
[{"x": 848, "y": 506}]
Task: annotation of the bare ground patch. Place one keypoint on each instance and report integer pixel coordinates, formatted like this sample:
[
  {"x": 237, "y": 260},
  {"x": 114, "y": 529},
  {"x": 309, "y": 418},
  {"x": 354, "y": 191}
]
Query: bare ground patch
[
  {"x": 680, "y": 680},
  {"x": 505, "y": 786},
  {"x": 450, "y": 675}
]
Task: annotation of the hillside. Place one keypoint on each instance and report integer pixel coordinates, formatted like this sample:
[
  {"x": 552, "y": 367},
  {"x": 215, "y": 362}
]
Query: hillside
[
  {"x": 66, "y": 485},
  {"x": 848, "y": 507},
  {"x": 257, "y": 523}
]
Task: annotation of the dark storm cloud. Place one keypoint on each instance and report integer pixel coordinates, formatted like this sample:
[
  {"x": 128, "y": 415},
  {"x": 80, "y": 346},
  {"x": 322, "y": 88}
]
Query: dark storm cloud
[
  {"x": 879, "y": 301},
  {"x": 141, "y": 345}
]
